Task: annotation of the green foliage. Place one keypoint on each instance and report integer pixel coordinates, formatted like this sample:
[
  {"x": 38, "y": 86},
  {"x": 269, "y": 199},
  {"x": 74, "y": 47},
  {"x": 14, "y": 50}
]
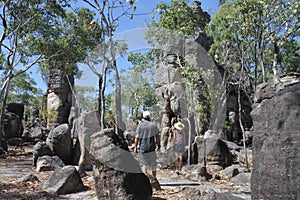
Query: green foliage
[
  {"x": 23, "y": 89},
  {"x": 177, "y": 16},
  {"x": 43, "y": 28},
  {"x": 65, "y": 41},
  {"x": 142, "y": 62},
  {"x": 290, "y": 56},
  {"x": 138, "y": 91},
  {"x": 85, "y": 97},
  {"x": 194, "y": 80},
  {"x": 245, "y": 32},
  {"x": 177, "y": 19}
]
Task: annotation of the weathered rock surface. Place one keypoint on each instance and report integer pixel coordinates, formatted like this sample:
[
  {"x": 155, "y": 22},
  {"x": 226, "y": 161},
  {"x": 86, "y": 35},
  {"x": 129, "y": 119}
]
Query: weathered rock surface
[
  {"x": 216, "y": 151},
  {"x": 172, "y": 99},
  {"x": 88, "y": 125},
  {"x": 48, "y": 163},
  {"x": 17, "y": 108},
  {"x": 12, "y": 126},
  {"x": 60, "y": 142},
  {"x": 40, "y": 149},
  {"x": 28, "y": 177},
  {"x": 241, "y": 178},
  {"x": 64, "y": 181},
  {"x": 276, "y": 141},
  {"x": 59, "y": 99},
  {"x": 37, "y": 133},
  {"x": 202, "y": 193},
  {"x": 229, "y": 172},
  {"x": 12, "y": 168},
  {"x": 117, "y": 174},
  {"x": 170, "y": 75},
  {"x": 244, "y": 157}
]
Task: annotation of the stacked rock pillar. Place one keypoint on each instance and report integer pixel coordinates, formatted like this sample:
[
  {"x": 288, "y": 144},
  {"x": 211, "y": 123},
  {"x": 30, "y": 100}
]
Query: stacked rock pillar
[{"x": 59, "y": 97}]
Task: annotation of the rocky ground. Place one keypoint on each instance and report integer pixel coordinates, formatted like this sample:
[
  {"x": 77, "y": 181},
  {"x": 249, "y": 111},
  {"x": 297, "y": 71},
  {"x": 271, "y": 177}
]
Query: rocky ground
[{"x": 18, "y": 163}]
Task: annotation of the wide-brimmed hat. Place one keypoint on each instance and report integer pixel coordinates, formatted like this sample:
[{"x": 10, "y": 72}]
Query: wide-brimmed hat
[
  {"x": 146, "y": 114},
  {"x": 179, "y": 125}
]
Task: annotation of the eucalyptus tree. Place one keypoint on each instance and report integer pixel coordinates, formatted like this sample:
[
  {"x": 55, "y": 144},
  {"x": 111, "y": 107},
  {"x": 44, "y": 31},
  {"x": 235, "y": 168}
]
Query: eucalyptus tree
[
  {"x": 86, "y": 97},
  {"x": 260, "y": 32},
  {"x": 23, "y": 88},
  {"x": 65, "y": 42},
  {"x": 138, "y": 84},
  {"x": 18, "y": 20},
  {"x": 252, "y": 38},
  {"x": 109, "y": 13},
  {"x": 41, "y": 33},
  {"x": 178, "y": 17}
]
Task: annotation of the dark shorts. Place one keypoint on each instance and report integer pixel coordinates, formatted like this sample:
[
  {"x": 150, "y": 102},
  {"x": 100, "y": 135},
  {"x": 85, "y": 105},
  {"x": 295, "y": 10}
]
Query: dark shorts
[{"x": 148, "y": 159}]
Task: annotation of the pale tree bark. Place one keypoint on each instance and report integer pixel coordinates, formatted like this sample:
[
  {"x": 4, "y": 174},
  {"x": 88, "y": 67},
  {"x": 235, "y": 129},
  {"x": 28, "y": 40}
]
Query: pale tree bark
[
  {"x": 242, "y": 53},
  {"x": 108, "y": 20}
]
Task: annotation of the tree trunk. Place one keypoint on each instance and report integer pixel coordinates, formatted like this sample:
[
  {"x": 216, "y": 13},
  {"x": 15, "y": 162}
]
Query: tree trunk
[
  {"x": 99, "y": 94},
  {"x": 275, "y": 61},
  {"x": 240, "y": 106},
  {"x": 102, "y": 96},
  {"x": 262, "y": 64},
  {"x": 119, "y": 120},
  {"x": 3, "y": 104}
]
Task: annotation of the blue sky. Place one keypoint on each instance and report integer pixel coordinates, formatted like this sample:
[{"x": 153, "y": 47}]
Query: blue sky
[
  {"x": 130, "y": 30},
  {"x": 147, "y": 6}
]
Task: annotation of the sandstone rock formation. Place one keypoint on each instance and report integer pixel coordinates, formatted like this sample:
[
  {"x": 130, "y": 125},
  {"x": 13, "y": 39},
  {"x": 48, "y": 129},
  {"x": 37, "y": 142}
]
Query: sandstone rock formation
[
  {"x": 60, "y": 142},
  {"x": 59, "y": 99},
  {"x": 64, "y": 181},
  {"x": 117, "y": 174},
  {"x": 48, "y": 163},
  {"x": 88, "y": 124},
  {"x": 11, "y": 124},
  {"x": 276, "y": 140},
  {"x": 185, "y": 99},
  {"x": 40, "y": 149}
]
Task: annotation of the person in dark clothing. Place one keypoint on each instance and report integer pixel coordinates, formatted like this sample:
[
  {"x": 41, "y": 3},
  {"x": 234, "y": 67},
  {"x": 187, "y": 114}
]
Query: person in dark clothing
[{"x": 146, "y": 139}]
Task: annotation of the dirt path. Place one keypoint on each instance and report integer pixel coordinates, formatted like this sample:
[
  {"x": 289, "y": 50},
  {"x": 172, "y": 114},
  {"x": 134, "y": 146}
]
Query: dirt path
[{"x": 19, "y": 163}]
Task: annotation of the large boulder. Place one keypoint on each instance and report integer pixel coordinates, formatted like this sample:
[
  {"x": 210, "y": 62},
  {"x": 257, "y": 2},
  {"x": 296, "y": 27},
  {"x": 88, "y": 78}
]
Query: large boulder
[
  {"x": 41, "y": 149},
  {"x": 48, "y": 163},
  {"x": 37, "y": 133},
  {"x": 215, "y": 150},
  {"x": 117, "y": 174},
  {"x": 276, "y": 141},
  {"x": 12, "y": 125},
  {"x": 17, "y": 108},
  {"x": 60, "y": 142},
  {"x": 88, "y": 124},
  {"x": 130, "y": 132},
  {"x": 65, "y": 180}
]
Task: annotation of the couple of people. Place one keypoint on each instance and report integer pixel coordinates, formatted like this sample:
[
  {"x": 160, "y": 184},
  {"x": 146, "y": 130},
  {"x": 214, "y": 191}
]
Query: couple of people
[{"x": 147, "y": 138}]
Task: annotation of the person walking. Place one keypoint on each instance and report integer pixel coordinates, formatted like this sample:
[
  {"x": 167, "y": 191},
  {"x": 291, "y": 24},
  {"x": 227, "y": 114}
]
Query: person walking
[
  {"x": 178, "y": 144},
  {"x": 146, "y": 138}
]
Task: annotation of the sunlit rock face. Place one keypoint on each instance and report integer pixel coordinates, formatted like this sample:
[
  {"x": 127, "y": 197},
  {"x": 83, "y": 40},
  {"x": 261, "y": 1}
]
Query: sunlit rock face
[
  {"x": 59, "y": 98},
  {"x": 60, "y": 142},
  {"x": 117, "y": 174},
  {"x": 179, "y": 96},
  {"x": 276, "y": 140}
]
